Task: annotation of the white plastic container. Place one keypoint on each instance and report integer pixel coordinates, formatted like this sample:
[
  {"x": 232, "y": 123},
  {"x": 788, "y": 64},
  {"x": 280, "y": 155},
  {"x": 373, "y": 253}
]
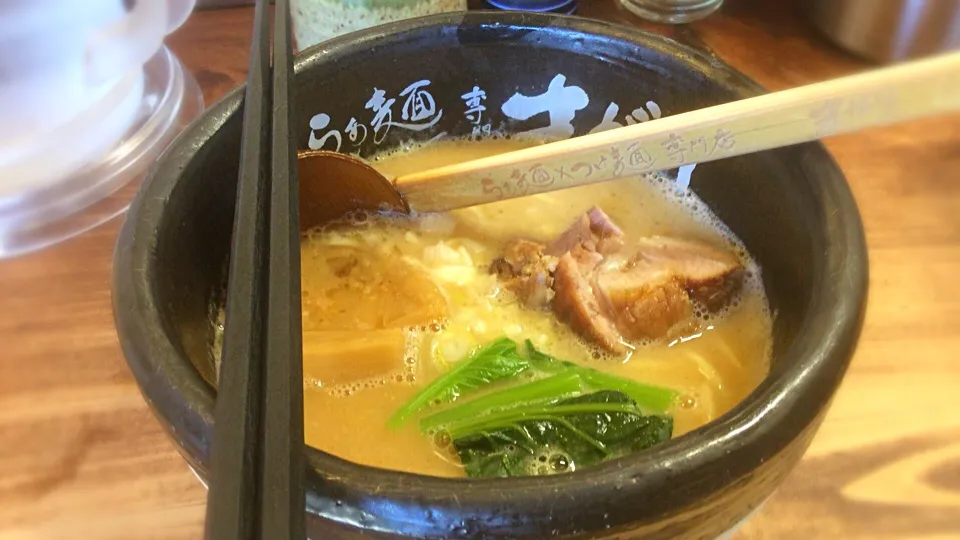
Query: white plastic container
[{"x": 85, "y": 86}]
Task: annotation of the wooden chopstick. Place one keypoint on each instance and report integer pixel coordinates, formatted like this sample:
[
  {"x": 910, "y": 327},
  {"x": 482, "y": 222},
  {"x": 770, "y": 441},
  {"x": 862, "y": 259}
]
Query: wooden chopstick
[
  {"x": 282, "y": 494},
  {"x": 256, "y": 488},
  {"x": 879, "y": 97}
]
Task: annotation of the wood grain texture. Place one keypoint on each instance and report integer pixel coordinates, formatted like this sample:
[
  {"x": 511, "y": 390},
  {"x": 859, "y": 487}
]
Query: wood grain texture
[{"x": 82, "y": 457}]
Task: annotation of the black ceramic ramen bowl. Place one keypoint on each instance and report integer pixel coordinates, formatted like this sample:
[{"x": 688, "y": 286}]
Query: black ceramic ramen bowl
[{"x": 407, "y": 81}]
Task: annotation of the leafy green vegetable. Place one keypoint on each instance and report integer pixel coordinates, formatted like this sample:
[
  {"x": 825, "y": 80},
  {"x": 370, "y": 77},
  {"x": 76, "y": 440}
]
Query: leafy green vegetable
[
  {"x": 552, "y": 438},
  {"x": 501, "y": 360},
  {"x": 498, "y": 360},
  {"x": 552, "y": 388},
  {"x": 653, "y": 399}
]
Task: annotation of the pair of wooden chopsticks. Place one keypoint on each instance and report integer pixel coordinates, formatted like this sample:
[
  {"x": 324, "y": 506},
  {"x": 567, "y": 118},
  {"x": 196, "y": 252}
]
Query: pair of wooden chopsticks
[{"x": 257, "y": 475}]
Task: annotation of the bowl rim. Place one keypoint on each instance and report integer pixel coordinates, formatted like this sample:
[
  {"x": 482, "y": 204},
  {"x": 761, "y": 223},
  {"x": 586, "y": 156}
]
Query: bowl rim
[{"x": 814, "y": 363}]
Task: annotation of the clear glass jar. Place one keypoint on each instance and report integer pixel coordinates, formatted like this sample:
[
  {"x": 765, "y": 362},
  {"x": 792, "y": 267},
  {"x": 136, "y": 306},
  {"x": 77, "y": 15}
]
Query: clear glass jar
[
  {"x": 672, "y": 11},
  {"x": 315, "y": 21}
]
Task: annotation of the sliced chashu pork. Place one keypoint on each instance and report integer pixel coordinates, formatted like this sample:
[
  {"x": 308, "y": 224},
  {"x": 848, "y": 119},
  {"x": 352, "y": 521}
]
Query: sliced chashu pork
[
  {"x": 527, "y": 271},
  {"x": 609, "y": 293},
  {"x": 710, "y": 275},
  {"x": 576, "y": 305},
  {"x": 527, "y": 267},
  {"x": 643, "y": 301},
  {"x": 609, "y": 299},
  {"x": 593, "y": 231}
]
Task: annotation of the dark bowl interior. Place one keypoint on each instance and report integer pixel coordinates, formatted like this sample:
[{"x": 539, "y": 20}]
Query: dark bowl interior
[{"x": 791, "y": 207}]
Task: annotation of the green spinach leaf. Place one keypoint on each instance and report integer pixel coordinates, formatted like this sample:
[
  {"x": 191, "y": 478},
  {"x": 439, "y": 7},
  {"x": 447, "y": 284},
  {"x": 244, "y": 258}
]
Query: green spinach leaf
[
  {"x": 562, "y": 385},
  {"x": 652, "y": 399},
  {"x": 498, "y": 360},
  {"x": 559, "y": 437}
]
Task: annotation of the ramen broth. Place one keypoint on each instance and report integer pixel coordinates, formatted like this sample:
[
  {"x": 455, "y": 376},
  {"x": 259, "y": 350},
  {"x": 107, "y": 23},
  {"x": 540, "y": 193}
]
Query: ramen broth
[{"x": 390, "y": 304}]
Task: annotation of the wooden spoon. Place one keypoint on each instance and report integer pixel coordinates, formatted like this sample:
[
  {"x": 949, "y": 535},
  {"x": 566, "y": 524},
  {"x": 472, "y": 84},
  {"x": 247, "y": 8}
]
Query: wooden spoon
[{"x": 333, "y": 184}]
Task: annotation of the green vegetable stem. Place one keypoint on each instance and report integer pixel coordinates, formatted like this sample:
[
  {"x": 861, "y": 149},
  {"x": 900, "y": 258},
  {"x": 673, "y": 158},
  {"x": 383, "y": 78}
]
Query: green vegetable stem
[
  {"x": 549, "y": 389},
  {"x": 498, "y": 360},
  {"x": 652, "y": 399}
]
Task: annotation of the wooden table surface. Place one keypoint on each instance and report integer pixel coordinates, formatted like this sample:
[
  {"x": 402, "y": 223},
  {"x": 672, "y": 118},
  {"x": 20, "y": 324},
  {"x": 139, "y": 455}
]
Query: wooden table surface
[{"x": 82, "y": 457}]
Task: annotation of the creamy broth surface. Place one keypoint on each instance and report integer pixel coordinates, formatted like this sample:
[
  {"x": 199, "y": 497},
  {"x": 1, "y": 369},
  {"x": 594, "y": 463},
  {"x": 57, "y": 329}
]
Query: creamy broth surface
[{"x": 390, "y": 304}]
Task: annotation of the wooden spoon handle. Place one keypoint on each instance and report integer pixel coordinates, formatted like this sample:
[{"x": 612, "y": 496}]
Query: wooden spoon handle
[{"x": 880, "y": 97}]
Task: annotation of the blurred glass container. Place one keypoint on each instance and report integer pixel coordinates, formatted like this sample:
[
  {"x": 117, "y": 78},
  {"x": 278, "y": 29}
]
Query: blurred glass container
[
  {"x": 89, "y": 98},
  {"x": 672, "y": 11},
  {"x": 890, "y": 30},
  {"x": 315, "y": 21}
]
